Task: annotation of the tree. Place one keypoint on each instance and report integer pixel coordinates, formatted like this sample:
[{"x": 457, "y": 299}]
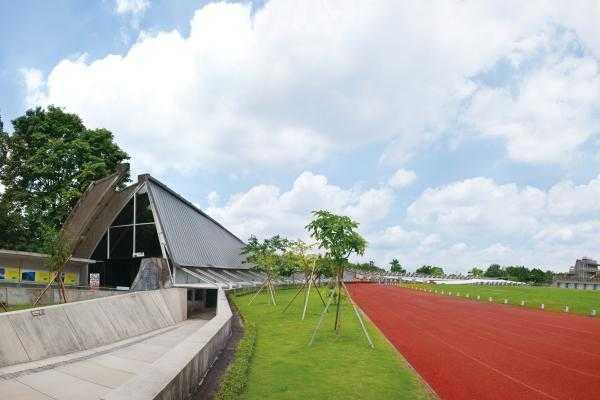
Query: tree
[
  {"x": 430, "y": 271},
  {"x": 299, "y": 258},
  {"x": 45, "y": 165},
  {"x": 494, "y": 271},
  {"x": 476, "y": 272},
  {"x": 395, "y": 266},
  {"x": 537, "y": 276},
  {"x": 267, "y": 256},
  {"x": 58, "y": 246},
  {"x": 368, "y": 266},
  {"x": 336, "y": 234}
]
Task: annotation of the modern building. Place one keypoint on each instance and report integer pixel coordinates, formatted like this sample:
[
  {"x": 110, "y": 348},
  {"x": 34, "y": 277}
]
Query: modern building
[
  {"x": 119, "y": 226},
  {"x": 583, "y": 275},
  {"x": 30, "y": 269}
]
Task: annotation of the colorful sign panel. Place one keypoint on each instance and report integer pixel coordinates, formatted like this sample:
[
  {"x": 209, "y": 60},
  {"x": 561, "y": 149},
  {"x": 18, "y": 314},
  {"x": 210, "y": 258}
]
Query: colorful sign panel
[
  {"x": 42, "y": 276},
  {"x": 71, "y": 278},
  {"x": 12, "y": 274}
]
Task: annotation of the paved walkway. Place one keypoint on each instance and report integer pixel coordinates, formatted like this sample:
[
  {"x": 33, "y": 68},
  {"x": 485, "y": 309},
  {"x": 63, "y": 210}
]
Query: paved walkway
[{"x": 92, "y": 376}]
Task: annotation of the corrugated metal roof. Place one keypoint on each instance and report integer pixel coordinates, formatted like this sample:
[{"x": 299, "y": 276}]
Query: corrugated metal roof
[{"x": 193, "y": 238}]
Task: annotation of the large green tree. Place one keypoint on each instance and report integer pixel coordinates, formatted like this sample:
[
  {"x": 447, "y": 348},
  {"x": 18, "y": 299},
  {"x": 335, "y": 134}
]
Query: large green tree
[
  {"x": 46, "y": 163},
  {"x": 430, "y": 270},
  {"x": 395, "y": 266}
]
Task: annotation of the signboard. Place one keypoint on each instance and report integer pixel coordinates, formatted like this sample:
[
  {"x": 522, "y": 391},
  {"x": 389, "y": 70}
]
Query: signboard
[
  {"x": 42, "y": 276},
  {"x": 94, "y": 281},
  {"x": 28, "y": 276},
  {"x": 12, "y": 274},
  {"x": 72, "y": 278}
]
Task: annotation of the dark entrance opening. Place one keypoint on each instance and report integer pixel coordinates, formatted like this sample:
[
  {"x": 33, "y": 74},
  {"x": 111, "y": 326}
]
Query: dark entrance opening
[{"x": 115, "y": 272}]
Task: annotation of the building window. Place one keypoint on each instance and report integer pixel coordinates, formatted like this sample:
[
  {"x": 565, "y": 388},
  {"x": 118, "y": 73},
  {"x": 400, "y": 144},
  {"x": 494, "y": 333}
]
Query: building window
[{"x": 132, "y": 234}]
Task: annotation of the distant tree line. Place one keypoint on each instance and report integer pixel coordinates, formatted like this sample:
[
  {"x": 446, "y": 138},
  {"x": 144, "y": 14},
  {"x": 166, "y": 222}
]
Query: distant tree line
[{"x": 516, "y": 273}]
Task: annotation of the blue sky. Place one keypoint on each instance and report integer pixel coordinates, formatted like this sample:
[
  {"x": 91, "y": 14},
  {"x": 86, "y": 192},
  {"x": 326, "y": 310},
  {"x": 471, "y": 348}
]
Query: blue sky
[{"x": 459, "y": 137}]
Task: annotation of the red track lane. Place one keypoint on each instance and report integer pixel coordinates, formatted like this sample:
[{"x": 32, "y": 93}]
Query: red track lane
[{"x": 470, "y": 350}]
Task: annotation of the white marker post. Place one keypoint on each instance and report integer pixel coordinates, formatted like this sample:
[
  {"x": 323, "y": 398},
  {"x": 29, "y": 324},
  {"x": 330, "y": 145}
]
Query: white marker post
[
  {"x": 593, "y": 313},
  {"x": 490, "y": 299},
  {"x": 566, "y": 308},
  {"x": 542, "y": 306},
  {"x": 522, "y": 302},
  {"x": 478, "y": 297},
  {"x": 505, "y": 301}
]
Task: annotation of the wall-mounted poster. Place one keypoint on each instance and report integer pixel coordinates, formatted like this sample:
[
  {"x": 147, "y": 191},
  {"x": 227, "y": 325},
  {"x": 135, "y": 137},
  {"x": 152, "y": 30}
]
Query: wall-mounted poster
[
  {"x": 71, "y": 278},
  {"x": 28, "y": 276},
  {"x": 94, "y": 281},
  {"x": 12, "y": 274},
  {"x": 42, "y": 276}
]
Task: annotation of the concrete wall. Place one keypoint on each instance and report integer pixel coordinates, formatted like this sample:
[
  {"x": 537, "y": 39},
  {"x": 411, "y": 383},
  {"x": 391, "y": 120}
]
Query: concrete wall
[
  {"x": 36, "y": 334},
  {"x": 18, "y": 294},
  {"x": 176, "y": 375}
]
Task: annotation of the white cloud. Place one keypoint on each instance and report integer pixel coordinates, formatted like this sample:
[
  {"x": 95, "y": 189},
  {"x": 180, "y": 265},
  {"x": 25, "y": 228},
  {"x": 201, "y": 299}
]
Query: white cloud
[
  {"x": 494, "y": 222},
  {"x": 567, "y": 199},
  {"x": 266, "y": 210},
  {"x": 402, "y": 178},
  {"x": 33, "y": 80},
  {"x": 296, "y": 81},
  {"x": 553, "y": 113},
  {"x": 479, "y": 205},
  {"x": 132, "y": 7}
]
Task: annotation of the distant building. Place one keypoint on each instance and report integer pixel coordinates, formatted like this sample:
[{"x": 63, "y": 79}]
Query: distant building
[{"x": 585, "y": 274}]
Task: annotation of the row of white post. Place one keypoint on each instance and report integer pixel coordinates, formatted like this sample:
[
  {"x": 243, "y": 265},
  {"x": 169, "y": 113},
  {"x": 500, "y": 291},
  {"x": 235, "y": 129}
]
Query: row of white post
[{"x": 490, "y": 299}]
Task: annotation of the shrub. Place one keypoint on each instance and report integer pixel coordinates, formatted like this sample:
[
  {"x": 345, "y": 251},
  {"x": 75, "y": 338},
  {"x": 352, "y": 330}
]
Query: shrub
[{"x": 233, "y": 383}]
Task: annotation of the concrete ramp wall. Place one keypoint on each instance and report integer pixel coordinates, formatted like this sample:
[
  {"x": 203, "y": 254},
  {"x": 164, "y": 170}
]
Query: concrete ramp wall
[
  {"x": 177, "y": 374},
  {"x": 36, "y": 334}
]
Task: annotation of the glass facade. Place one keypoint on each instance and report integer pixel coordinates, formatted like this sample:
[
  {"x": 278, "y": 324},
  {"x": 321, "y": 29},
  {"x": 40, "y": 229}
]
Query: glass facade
[{"x": 132, "y": 234}]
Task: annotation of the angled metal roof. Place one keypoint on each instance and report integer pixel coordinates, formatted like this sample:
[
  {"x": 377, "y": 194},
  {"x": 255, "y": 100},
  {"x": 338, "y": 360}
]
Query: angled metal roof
[{"x": 193, "y": 238}]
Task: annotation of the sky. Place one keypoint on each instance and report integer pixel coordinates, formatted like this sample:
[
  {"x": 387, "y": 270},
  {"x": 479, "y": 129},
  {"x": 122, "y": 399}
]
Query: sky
[{"x": 457, "y": 133}]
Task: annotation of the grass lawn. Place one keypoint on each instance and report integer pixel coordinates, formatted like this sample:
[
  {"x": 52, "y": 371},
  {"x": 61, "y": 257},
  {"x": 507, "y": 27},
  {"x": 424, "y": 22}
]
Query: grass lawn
[
  {"x": 554, "y": 299},
  {"x": 334, "y": 367},
  {"x": 15, "y": 308}
]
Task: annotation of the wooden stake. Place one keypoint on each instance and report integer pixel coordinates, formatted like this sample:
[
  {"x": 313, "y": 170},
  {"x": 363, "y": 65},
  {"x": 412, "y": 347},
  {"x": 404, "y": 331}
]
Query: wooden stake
[
  {"x": 321, "y": 318},
  {"x": 272, "y": 290},
  {"x": 362, "y": 324},
  {"x": 310, "y": 278},
  {"x": 296, "y": 295},
  {"x": 257, "y": 293}
]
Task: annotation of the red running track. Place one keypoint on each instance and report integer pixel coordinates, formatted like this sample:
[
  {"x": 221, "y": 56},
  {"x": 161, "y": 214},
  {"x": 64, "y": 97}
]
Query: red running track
[{"x": 470, "y": 350}]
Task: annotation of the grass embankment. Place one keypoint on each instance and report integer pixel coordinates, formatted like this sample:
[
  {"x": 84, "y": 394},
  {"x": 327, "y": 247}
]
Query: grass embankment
[
  {"x": 334, "y": 367},
  {"x": 554, "y": 299}
]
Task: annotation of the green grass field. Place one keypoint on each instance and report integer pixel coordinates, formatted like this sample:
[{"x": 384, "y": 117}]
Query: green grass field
[
  {"x": 334, "y": 367},
  {"x": 554, "y": 299}
]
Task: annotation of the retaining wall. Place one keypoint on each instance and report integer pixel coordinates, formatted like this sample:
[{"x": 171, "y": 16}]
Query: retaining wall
[
  {"x": 36, "y": 334},
  {"x": 20, "y": 295},
  {"x": 177, "y": 374}
]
